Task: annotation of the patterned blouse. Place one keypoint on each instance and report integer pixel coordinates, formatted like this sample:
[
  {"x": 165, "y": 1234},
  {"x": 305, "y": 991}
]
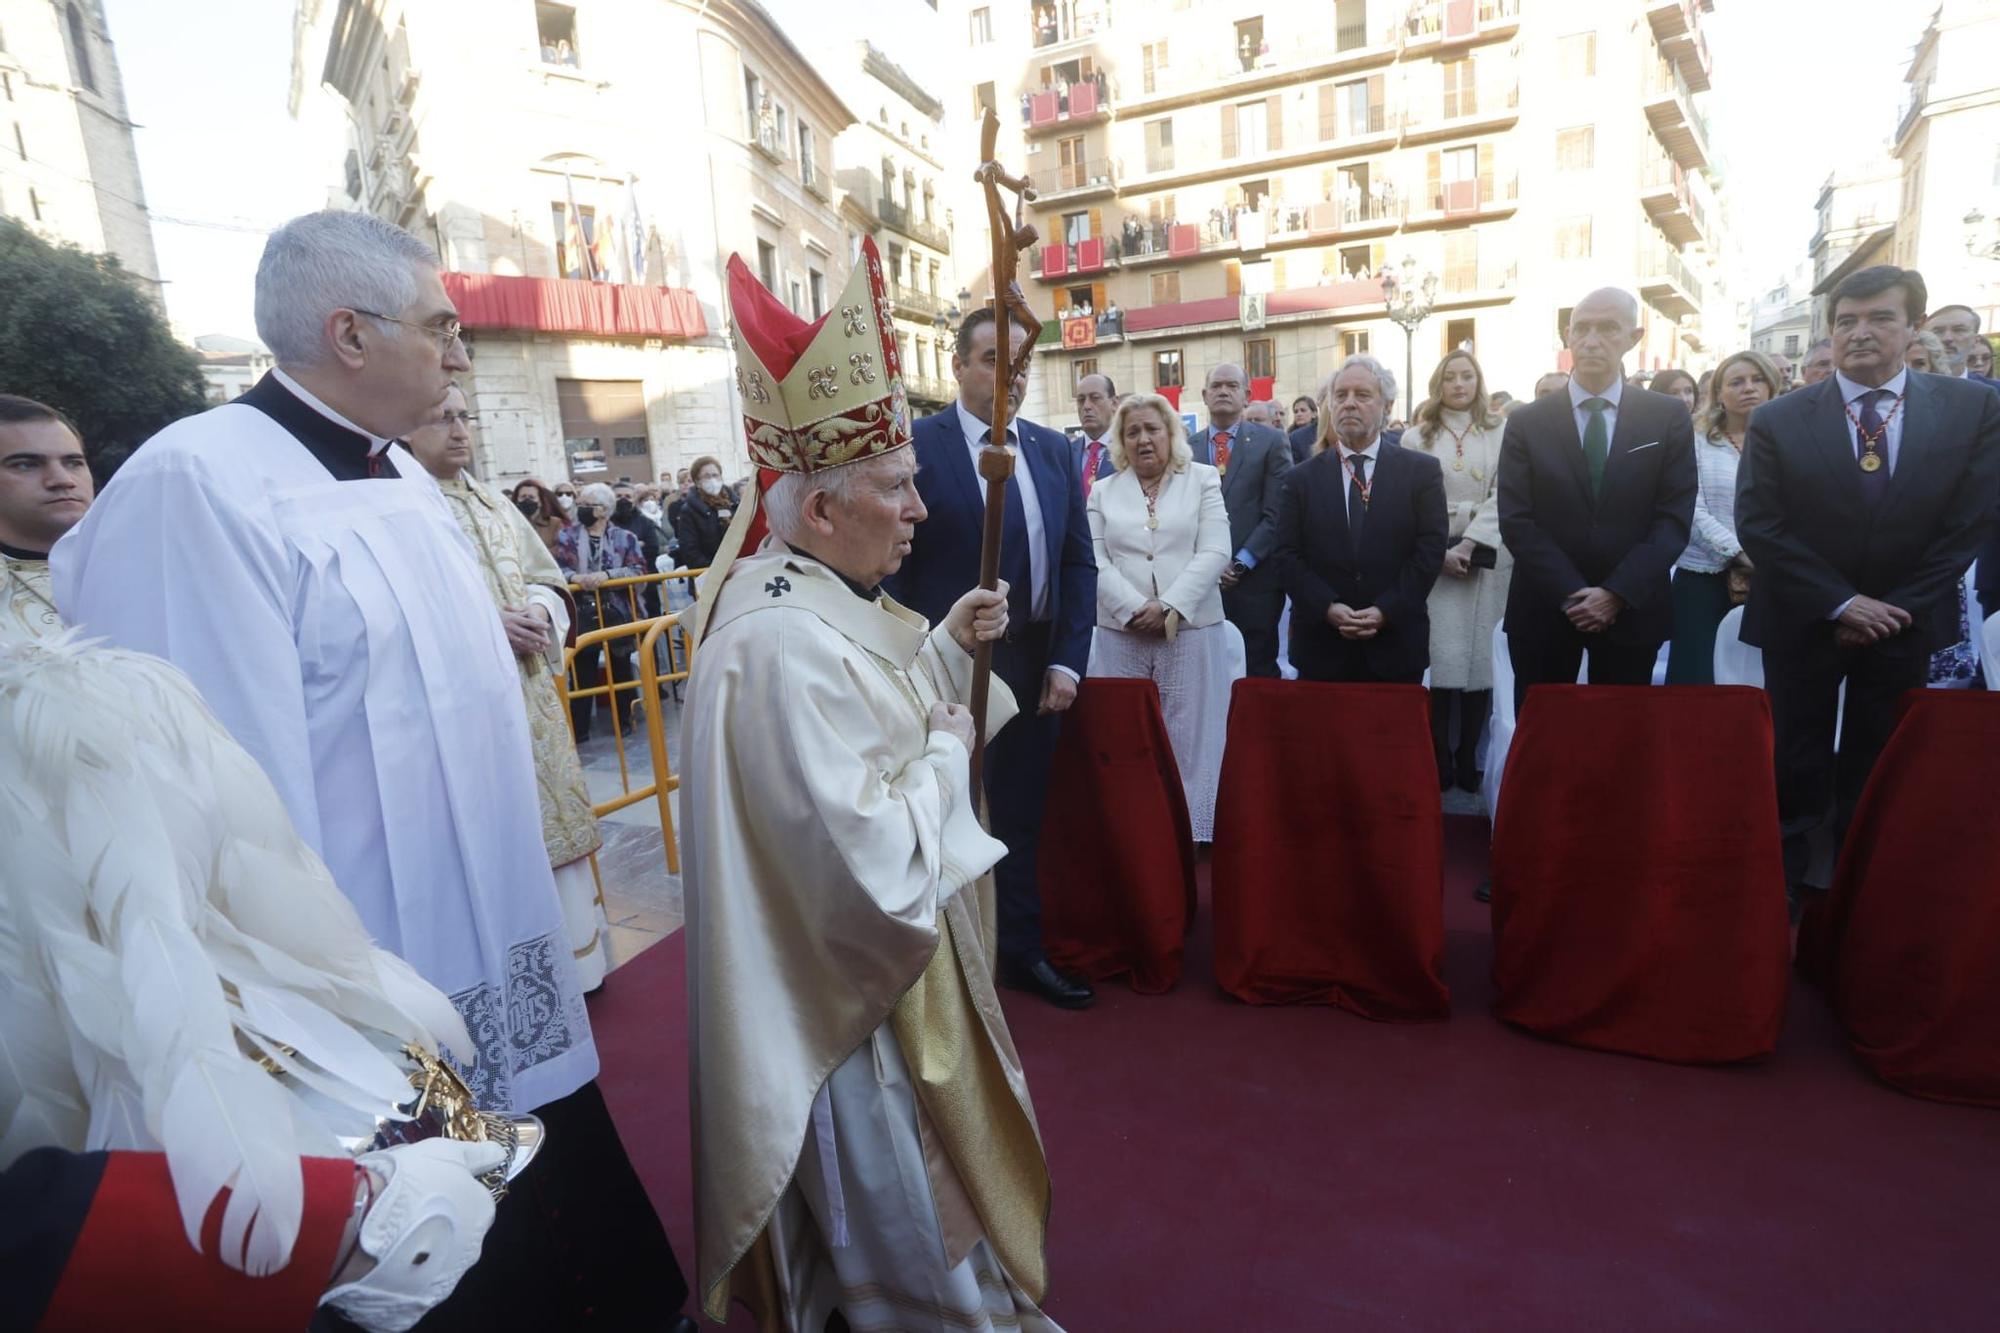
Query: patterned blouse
[{"x": 1712, "y": 541}]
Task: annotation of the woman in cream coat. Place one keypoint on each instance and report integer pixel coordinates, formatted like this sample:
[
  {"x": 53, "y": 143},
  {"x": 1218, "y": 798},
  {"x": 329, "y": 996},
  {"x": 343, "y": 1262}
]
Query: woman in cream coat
[
  {"x": 1458, "y": 424},
  {"x": 1162, "y": 540}
]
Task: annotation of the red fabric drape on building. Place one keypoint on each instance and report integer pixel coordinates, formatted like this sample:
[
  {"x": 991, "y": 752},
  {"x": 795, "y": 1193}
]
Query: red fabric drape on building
[
  {"x": 1908, "y": 940},
  {"x": 572, "y": 305},
  {"x": 1638, "y": 889},
  {"x": 1329, "y": 850},
  {"x": 1117, "y": 851}
]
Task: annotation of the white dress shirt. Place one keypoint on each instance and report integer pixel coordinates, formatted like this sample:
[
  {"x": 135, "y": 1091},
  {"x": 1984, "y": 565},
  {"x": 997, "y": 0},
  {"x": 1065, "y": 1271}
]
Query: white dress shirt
[
  {"x": 1371, "y": 453},
  {"x": 1892, "y": 434},
  {"x": 1578, "y": 396},
  {"x": 977, "y": 432}
]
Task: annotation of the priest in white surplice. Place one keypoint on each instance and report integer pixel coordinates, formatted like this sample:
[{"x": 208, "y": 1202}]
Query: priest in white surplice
[
  {"x": 311, "y": 581},
  {"x": 864, "y": 1142}
]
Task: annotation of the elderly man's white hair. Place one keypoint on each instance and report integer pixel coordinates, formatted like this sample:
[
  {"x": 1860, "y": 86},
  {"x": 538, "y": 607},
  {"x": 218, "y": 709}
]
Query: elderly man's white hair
[
  {"x": 327, "y": 261},
  {"x": 785, "y": 503},
  {"x": 1384, "y": 378}
]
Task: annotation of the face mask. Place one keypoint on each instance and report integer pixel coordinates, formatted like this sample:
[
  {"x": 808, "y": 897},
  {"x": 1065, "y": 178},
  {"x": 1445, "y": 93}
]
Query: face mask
[
  {"x": 586, "y": 514},
  {"x": 566, "y": 503},
  {"x": 529, "y": 506},
  {"x": 711, "y": 485},
  {"x": 622, "y": 512},
  {"x": 651, "y": 509}
]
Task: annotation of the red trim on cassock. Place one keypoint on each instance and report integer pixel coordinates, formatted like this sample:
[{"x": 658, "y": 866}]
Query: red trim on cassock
[
  {"x": 133, "y": 1268},
  {"x": 572, "y": 305}
]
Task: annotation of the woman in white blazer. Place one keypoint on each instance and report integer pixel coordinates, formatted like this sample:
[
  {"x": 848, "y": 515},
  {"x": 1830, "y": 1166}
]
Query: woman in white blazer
[{"x": 1162, "y": 540}]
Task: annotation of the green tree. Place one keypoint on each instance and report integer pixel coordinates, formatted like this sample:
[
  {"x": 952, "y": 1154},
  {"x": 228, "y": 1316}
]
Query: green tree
[{"x": 77, "y": 333}]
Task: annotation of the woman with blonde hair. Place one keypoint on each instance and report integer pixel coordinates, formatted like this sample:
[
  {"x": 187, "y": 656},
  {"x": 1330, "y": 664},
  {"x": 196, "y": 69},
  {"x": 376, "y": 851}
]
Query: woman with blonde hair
[
  {"x": 1457, "y": 425},
  {"x": 1161, "y": 535},
  {"x": 1714, "y": 557}
]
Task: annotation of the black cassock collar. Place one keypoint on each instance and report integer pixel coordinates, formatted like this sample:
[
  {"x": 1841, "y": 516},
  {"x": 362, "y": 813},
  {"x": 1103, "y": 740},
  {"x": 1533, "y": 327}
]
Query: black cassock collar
[{"x": 348, "y": 454}]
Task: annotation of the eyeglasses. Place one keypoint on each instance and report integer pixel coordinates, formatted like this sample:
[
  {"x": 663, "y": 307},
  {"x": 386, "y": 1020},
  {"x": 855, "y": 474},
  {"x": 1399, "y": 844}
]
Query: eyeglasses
[
  {"x": 446, "y": 334},
  {"x": 469, "y": 418}
]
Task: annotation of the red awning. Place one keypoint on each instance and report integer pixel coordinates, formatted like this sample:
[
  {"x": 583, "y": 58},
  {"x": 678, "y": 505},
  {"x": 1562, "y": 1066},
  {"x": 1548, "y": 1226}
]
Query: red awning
[{"x": 571, "y": 305}]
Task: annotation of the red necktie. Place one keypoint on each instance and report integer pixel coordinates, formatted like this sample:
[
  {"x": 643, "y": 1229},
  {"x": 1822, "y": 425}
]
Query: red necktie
[
  {"x": 1091, "y": 457},
  {"x": 1222, "y": 451}
]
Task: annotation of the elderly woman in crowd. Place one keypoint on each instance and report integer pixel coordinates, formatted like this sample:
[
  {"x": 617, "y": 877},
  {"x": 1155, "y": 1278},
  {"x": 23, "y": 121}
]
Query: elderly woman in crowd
[
  {"x": 1680, "y": 385},
  {"x": 591, "y": 551},
  {"x": 704, "y": 516},
  {"x": 1925, "y": 354},
  {"x": 527, "y": 589},
  {"x": 1714, "y": 557},
  {"x": 1457, "y": 424},
  {"x": 1162, "y": 539}
]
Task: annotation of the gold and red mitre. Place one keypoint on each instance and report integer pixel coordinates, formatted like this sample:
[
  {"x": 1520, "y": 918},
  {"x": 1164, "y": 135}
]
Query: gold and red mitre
[
  {"x": 816, "y": 394},
  {"x": 819, "y": 394}
]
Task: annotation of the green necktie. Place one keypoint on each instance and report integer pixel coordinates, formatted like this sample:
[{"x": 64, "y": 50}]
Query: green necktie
[{"x": 1596, "y": 442}]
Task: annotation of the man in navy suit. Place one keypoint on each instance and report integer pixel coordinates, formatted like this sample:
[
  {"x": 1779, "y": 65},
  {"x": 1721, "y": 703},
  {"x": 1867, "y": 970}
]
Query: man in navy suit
[
  {"x": 1360, "y": 540},
  {"x": 1861, "y": 500},
  {"x": 1096, "y": 404},
  {"x": 1253, "y": 460},
  {"x": 1596, "y": 488},
  {"x": 1051, "y": 573},
  {"x": 1957, "y": 327}
]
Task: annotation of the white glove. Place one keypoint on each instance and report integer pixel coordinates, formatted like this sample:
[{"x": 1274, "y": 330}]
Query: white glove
[{"x": 423, "y": 1231}]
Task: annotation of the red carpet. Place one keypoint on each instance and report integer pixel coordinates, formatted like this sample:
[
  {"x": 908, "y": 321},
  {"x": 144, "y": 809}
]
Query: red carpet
[{"x": 1266, "y": 1170}]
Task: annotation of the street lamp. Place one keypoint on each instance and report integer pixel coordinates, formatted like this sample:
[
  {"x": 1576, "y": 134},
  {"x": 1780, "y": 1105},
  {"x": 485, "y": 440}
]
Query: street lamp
[
  {"x": 1982, "y": 241},
  {"x": 1409, "y": 302}
]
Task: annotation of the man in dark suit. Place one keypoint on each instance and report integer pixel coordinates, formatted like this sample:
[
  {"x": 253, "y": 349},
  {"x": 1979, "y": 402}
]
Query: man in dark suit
[
  {"x": 1597, "y": 487},
  {"x": 1051, "y": 573},
  {"x": 1361, "y": 537},
  {"x": 1861, "y": 500},
  {"x": 1253, "y": 461},
  {"x": 1096, "y": 404},
  {"x": 1957, "y": 327}
]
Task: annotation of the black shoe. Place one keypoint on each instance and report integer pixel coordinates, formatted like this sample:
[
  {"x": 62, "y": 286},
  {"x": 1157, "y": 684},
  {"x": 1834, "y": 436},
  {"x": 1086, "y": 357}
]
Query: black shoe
[
  {"x": 1468, "y": 776},
  {"x": 1041, "y": 978},
  {"x": 1484, "y": 893}
]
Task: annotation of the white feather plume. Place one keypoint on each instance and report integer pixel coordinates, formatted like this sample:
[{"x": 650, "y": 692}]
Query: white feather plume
[{"x": 161, "y": 925}]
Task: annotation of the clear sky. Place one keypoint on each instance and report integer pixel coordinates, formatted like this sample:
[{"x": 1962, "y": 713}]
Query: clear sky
[{"x": 207, "y": 82}]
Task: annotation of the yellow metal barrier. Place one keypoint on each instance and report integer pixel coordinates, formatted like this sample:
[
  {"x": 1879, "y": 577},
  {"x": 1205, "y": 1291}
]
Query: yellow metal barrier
[{"x": 647, "y": 636}]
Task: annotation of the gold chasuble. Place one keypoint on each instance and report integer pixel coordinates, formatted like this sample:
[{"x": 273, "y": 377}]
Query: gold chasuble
[
  {"x": 27, "y": 606},
  {"x": 863, "y": 1136}
]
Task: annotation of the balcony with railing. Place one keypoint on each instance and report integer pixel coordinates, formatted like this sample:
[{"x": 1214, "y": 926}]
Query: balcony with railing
[
  {"x": 1312, "y": 53},
  {"x": 1913, "y": 111},
  {"x": 929, "y": 389},
  {"x": 898, "y": 217},
  {"x": 1074, "y": 182},
  {"x": 1094, "y": 254},
  {"x": 1069, "y": 106},
  {"x": 1355, "y": 215},
  {"x": 1443, "y": 22},
  {"x": 916, "y": 303},
  {"x": 1141, "y": 242},
  {"x": 1667, "y": 191},
  {"x": 1667, "y": 283},
  {"x": 1670, "y": 111},
  {"x": 1493, "y": 103},
  {"x": 767, "y": 140},
  {"x": 1477, "y": 198}
]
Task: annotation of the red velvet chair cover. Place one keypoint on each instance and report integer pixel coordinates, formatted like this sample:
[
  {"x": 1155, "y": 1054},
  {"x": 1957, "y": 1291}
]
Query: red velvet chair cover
[
  {"x": 1117, "y": 858},
  {"x": 1638, "y": 886},
  {"x": 1908, "y": 938},
  {"x": 1328, "y": 878}
]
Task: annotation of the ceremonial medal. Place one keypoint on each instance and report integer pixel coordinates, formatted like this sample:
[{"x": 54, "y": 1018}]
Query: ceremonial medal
[
  {"x": 1871, "y": 462},
  {"x": 1458, "y": 465},
  {"x": 1477, "y": 475},
  {"x": 1152, "y": 522}
]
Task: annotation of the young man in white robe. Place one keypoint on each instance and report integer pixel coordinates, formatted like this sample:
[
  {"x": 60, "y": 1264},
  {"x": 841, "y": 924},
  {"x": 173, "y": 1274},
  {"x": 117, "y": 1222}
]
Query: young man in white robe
[
  {"x": 45, "y": 486},
  {"x": 864, "y": 1142},
  {"x": 312, "y": 583}
]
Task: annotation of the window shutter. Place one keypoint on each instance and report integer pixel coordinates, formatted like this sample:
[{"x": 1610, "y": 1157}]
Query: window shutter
[
  {"x": 1097, "y": 297},
  {"x": 1329, "y": 111},
  {"x": 1486, "y": 173},
  {"x": 1232, "y": 277},
  {"x": 1229, "y": 130},
  {"x": 1097, "y": 223},
  {"x": 1274, "y": 116},
  {"x": 1278, "y": 274},
  {"x": 1434, "y": 174},
  {"x": 1377, "y": 115}
]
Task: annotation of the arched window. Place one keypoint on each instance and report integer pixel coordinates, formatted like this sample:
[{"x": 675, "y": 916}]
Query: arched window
[{"x": 79, "y": 47}]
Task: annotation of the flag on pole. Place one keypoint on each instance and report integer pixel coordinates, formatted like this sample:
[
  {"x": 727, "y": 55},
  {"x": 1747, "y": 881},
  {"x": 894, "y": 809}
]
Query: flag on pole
[
  {"x": 576, "y": 245},
  {"x": 604, "y": 249},
  {"x": 635, "y": 237}
]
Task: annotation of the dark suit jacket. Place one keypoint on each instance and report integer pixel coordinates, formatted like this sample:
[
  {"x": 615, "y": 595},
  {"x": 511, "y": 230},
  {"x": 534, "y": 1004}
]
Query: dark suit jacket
[
  {"x": 1402, "y": 551},
  {"x": 943, "y": 564},
  {"x": 1303, "y": 438},
  {"x": 1625, "y": 539},
  {"x": 1802, "y": 519},
  {"x": 1259, "y": 457},
  {"x": 1076, "y": 452}
]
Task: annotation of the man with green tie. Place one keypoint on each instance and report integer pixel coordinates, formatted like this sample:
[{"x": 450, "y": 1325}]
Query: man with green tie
[{"x": 1597, "y": 488}]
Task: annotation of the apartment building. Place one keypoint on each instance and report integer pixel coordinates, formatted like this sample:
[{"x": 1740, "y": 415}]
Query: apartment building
[
  {"x": 68, "y": 168},
  {"x": 1947, "y": 144},
  {"x": 1227, "y": 183},
  {"x": 585, "y": 192}
]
